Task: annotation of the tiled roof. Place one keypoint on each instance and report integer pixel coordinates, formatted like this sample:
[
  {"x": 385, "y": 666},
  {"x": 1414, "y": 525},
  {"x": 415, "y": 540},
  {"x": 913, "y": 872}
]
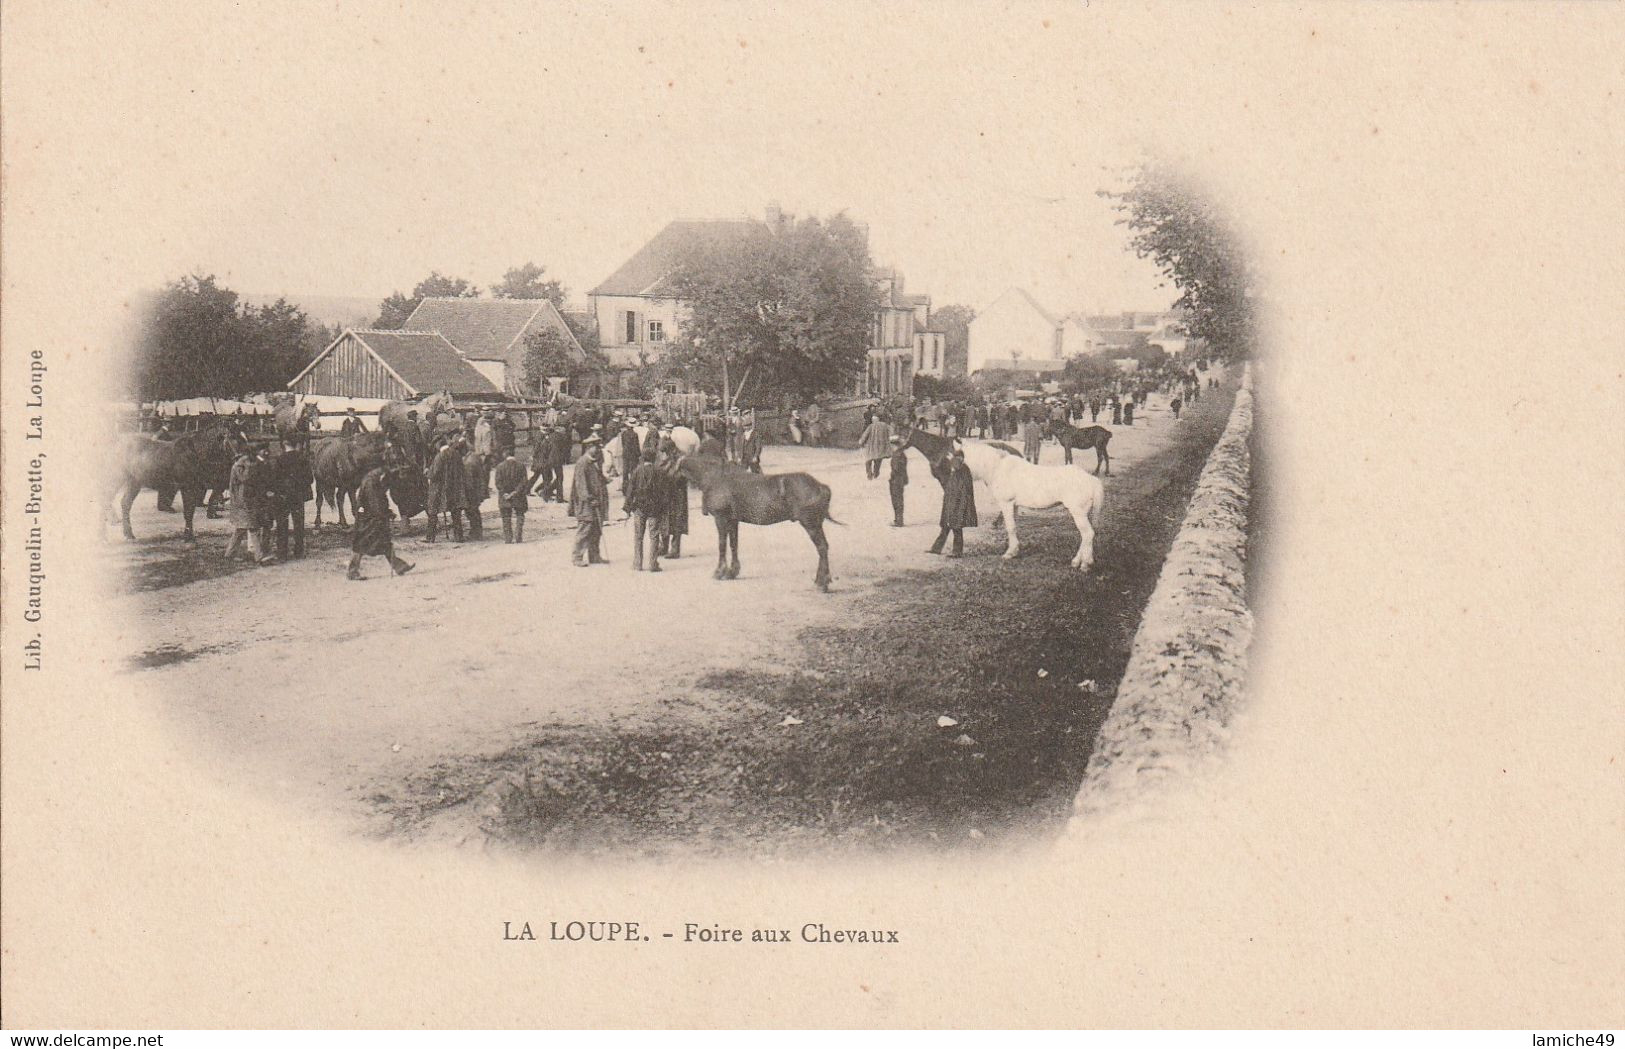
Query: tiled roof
[
  {"x": 1034, "y": 365},
  {"x": 1121, "y": 338},
  {"x": 645, "y": 272},
  {"x": 424, "y": 360},
  {"x": 486, "y": 329}
]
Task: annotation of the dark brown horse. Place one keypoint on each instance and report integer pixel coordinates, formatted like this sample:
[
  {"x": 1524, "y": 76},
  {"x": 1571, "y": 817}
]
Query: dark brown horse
[
  {"x": 192, "y": 463},
  {"x": 731, "y": 494},
  {"x": 1074, "y": 439},
  {"x": 339, "y": 464},
  {"x": 934, "y": 448}
]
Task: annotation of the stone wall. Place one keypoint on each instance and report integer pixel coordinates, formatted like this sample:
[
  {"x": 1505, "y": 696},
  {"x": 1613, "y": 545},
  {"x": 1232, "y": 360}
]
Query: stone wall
[{"x": 1187, "y": 668}]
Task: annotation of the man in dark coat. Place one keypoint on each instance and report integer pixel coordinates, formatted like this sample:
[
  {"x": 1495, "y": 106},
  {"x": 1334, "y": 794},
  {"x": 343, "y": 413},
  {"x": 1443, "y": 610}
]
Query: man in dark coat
[
  {"x": 589, "y": 503},
  {"x": 293, "y": 485},
  {"x": 898, "y": 479},
  {"x": 958, "y": 505},
  {"x": 1128, "y": 412},
  {"x": 251, "y": 490},
  {"x": 646, "y": 503},
  {"x": 371, "y": 536},
  {"x": 477, "y": 476},
  {"x": 631, "y": 454},
  {"x": 352, "y": 424},
  {"x": 503, "y": 434},
  {"x": 750, "y": 448},
  {"x": 712, "y": 445},
  {"x": 1175, "y": 405},
  {"x": 448, "y": 488},
  {"x": 512, "y": 502},
  {"x": 676, "y": 503}
]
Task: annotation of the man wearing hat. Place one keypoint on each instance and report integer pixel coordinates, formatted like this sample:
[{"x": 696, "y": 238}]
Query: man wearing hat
[
  {"x": 448, "y": 487},
  {"x": 512, "y": 503},
  {"x": 371, "y": 535},
  {"x": 589, "y": 503},
  {"x": 646, "y": 505},
  {"x": 250, "y": 488},
  {"x": 352, "y": 424},
  {"x": 898, "y": 479},
  {"x": 750, "y": 447},
  {"x": 631, "y": 453}
]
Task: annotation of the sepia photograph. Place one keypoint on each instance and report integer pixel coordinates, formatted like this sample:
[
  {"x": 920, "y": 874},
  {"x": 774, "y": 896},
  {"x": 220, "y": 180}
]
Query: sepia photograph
[{"x": 1055, "y": 497}]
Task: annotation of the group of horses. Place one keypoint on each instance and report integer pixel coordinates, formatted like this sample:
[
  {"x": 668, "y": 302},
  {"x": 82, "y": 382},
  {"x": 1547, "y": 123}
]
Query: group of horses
[{"x": 196, "y": 463}]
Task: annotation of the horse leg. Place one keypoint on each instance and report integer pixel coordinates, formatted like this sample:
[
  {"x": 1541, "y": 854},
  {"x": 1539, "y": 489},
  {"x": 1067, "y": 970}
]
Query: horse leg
[
  {"x": 733, "y": 542},
  {"x": 722, "y": 548},
  {"x": 189, "y": 502},
  {"x": 131, "y": 490},
  {"x": 1102, "y": 457},
  {"x": 338, "y": 498},
  {"x": 1086, "y": 538},
  {"x": 1010, "y": 529},
  {"x": 815, "y": 532}
]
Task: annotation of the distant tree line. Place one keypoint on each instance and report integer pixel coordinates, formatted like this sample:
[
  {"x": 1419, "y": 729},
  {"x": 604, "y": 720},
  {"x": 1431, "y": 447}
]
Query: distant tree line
[{"x": 198, "y": 339}]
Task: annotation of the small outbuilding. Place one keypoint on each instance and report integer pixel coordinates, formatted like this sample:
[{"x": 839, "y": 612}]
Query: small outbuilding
[{"x": 392, "y": 365}]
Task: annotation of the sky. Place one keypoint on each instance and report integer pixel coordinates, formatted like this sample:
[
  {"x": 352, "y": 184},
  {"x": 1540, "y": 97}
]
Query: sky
[{"x": 349, "y": 152}]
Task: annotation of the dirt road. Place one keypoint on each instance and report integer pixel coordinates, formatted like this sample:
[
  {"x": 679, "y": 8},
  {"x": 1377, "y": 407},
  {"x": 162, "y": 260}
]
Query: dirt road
[{"x": 499, "y": 693}]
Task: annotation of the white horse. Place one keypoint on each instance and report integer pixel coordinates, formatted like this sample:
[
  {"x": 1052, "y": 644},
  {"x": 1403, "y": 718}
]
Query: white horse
[
  {"x": 1013, "y": 482},
  {"x": 686, "y": 440}
]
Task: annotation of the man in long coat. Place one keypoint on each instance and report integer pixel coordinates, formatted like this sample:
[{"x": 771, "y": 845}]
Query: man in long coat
[
  {"x": 371, "y": 537},
  {"x": 1032, "y": 439},
  {"x": 958, "y": 505},
  {"x": 293, "y": 485},
  {"x": 676, "y": 503},
  {"x": 477, "y": 475},
  {"x": 589, "y": 504},
  {"x": 512, "y": 501},
  {"x": 876, "y": 442},
  {"x": 250, "y": 488},
  {"x": 631, "y": 454},
  {"x": 448, "y": 488},
  {"x": 503, "y": 432},
  {"x": 646, "y": 501}
]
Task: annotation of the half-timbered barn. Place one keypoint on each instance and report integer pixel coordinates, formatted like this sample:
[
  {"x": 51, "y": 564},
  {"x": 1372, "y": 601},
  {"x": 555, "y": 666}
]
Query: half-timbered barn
[{"x": 364, "y": 363}]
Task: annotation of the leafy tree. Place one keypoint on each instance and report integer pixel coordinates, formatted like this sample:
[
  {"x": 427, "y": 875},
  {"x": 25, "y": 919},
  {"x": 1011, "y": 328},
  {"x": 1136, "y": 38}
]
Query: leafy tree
[
  {"x": 197, "y": 340},
  {"x": 954, "y": 321},
  {"x": 1176, "y": 225},
  {"x": 1086, "y": 373},
  {"x": 949, "y": 388},
  {"x": 548, "y": 355},
  {"x": 525, "y": 282},
  {"x": 393, "y": 311},
  {"x": 787, "y": 312}
]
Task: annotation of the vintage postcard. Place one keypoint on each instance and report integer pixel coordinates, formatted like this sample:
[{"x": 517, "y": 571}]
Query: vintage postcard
[{"x": 965, "y": 515}]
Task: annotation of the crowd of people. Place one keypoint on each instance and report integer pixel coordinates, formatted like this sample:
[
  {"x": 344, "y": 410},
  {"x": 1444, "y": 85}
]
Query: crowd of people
[{"x": 467, "y": 458}]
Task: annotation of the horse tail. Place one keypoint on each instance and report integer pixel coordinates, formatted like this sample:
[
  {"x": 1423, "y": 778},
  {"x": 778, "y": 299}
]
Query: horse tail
[{"x": 827, "y": 515}]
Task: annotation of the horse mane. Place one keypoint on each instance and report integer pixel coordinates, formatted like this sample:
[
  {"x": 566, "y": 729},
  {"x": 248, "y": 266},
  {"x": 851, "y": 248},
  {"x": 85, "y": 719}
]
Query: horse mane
[{"x": 1005, "y": 448}]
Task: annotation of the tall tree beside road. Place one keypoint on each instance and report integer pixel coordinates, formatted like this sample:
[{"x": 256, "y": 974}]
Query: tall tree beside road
[
  {"x": 784, "y": 313},
  {"x": 393, "y": 311},
  {"x": 1180, "y": 228},
  {"x": 954, "y": 321},
  {"x": 525, "y": 282},
  {"x": 198, "y": 340}
]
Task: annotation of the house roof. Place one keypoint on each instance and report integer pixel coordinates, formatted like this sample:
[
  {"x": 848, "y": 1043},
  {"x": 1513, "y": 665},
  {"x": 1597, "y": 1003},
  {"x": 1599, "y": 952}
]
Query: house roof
[
  {"x": 486, "y": 329},
  {"x": 645, "y": 272},
  {"x": 1035, "y": 365},
  {"x": 1121, "y": 338},
  {"x": 423, "y": 360},
  {"x": 1021, "y": 293}
]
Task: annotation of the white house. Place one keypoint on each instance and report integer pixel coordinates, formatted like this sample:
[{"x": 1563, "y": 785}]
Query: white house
[{"x": 1015, "y": 328}]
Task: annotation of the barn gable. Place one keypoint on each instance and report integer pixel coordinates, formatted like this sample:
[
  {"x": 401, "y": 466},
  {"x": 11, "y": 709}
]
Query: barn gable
[
  {"x": 491, "y": 333},
  {"x": 365, "y": 362}
]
